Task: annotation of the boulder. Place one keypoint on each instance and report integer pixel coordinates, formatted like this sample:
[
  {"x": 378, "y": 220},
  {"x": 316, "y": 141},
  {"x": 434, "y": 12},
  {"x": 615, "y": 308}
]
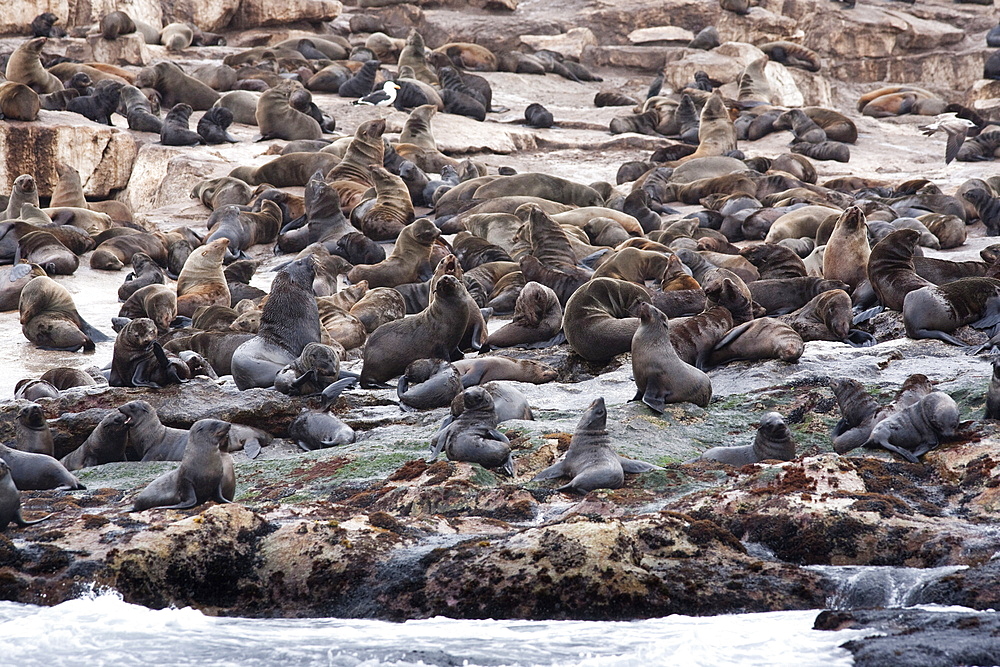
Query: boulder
[
  {"x": 125, "y": 50},
  {"x": 569, "y": 44},
  {"x": 661, "y": 36},
  {"x": 103, "y": 155},
  {"x": 17, "y": 16},
  {"x": 255, "y": 13}
]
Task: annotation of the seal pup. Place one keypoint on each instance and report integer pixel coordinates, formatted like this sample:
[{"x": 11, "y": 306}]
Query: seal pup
[
  {"x": 19, "y": 102},
  {"x": 660, "y": 375},
  {"x": 473, "y": 436},
  {"x": 43, "y": 25},
  {"x": 202, "y": 280},
  {"x": 489, "y": 368},
  {"x": 175, "y": 130},
  {"x": 428, "y": 384},
  {"x": 289, "y": 321},
  {"x": 590, "y": 460},
  {"x": 537, "y": 319},
  {"x": 213, "y": 127},
  {"x": 10, "y": 501},
  {"x": 140, "y": 361},
  {"x": 314, "y": 430},
  {"x": 31, "y": 431},
  {"x": 956, "y": 128},
  {"x": 773, "y": 441},
  {"x": 37, "y": 472},
  {"x": 148, "y": 438},
  {"x": 538, "y": 116},
  {"x": 144, "y": 272},
  {"x": 315, "y": 369},
  {"x": 205, "y": 473},
  {"x": 157, "y": 302},
  {"x": 918, "y": 428},
  {"x": 105, "y": 444}
]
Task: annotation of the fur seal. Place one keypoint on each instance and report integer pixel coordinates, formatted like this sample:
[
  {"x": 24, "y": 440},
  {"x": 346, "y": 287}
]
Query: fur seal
[
  {"x": 202, "y": 281},
  {"x": 31, "y": 431},
  {"x": 428, "y": 384},
  {"x": 660, "y": 375},
  {"x": 24, "y": 66},
  {"x": 105, "y": 444},
  {"x": 44, "y": 249},
  {"x": 289, "y": 321},
  {"x": 24, "y": 191},
  {"x": 917, "y": 428},
  {"x": 18, "y": 101},
  {"x": 10, "y": 501},
  {"x": 590, "y": 460},
  {"x": 315, "y": 369},
  {"x": 993, "y": 392},
  {"x": 762, "y": 338},
  {"x": 473, "y": 435},
  {"x": 156, "y": 302},
  {"x": 434, "y": 333},
  {"x": 890, "y": 268},
  {"x": 537, "y": 318},
  {"x": 935, "y": 311},
  {"x": 176, "y": 36},
  {"x": 114, "y": 253},
  {"x": 176, "y": 87},
  {"x": 213, "y": 127},
  {"x": 319, "y": 430},
  {"x": 378, "y": 306},
  {"x": 140, "y": 361},
  {"x": 847, "y": 251},
  {"x": 175, "y": 130},
  {"x": 37, "y": 472},
  {"x": 244, "y": 229},
  {"x": 598, "y": 320},
  {"x": 205, "y": 473},
  {"x": 278, "y": 120},
  {"x": 773, "y": 441},
  {"x": 393, "y": 209},
  {"x": 148, "y": 438},
  {"x": 485, "y": 369},
  {"x": 49, "y": 318},
  {"x": 409, "y": 258},
  {"x": 145, "y": 272},
  {"x": 32, "y": 390},
  {"x": 43, "y": 25},
  {"x": 116, "y": 23}
]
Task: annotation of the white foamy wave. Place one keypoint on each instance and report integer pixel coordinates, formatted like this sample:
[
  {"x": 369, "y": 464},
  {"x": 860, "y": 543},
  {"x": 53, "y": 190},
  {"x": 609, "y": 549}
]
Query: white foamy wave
[{"x": 101, "y": 629}]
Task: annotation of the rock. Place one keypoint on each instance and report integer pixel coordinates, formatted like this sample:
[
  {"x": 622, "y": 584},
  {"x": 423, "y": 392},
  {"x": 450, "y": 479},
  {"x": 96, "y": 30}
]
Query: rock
[
  {"x": 667, "y": 35},
  {"x": 569, "y": 44},
  {"x": 17, "y": 16},
  {"x": 256, "y": 13},
  {"x": 102, "y": 155},
  {"x": 210, "y": 15},
  {"x": 166, "y": 174},
  {"x": 635, "y": 57},
  {"x": 125, "y": 50}
]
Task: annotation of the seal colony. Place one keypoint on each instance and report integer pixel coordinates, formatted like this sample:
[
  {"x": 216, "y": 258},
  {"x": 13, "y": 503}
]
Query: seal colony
[{"x": 397, "y": 264}]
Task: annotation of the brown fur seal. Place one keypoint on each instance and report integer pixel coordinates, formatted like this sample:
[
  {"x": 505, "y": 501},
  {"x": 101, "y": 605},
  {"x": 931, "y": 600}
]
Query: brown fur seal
[
  {"x": 116, "y": 23},
  {"x": 202, "y": 281},
  {"x": 114, "y": 253},
  {"x": 660, "y": 375},
  {"x": 936, "y": 311},
  {"x": 176, "y": 87},
  {"x": 917, "y": 428},
  {"x": 792, "y": 55},
  {"x": 762, "y": 338},
  {"x": 541, "y": 185},
  {"x": 408, "y": 259},
  {"x": 10, "y": 501},
  {"x": 37, "y": 472},
  {"x": 773, "y": 441},
  {"x": 487, "y": 369},
  {"x": 598, "y": 320},
  {"x": 62, "y": 377},
  {"x": 105, "y": 444},
  {"x": 18, "y": 101},
  {"x": 393, "y": 209},
  {"x": 428, "y": 384},
  {"x": 49, "y": 318},
  {"x": 278, "y": 120},
  {"x": 289, "y": 322},
  {"x": 413, "y": 56},
  {"x": 590, "y": 460},
  {"x": 716, "y": 132},
  {"x": 145, "y": 272},
  {"x": 352, "y": 177},
  {"x": 156, "y": 302},
  {"x": 244, "y": 229},
  {"x": 827, "y": 316},
  {"x": 24, "y": 191},
  {"x": 433, "y": 333},
  {"x": 44, "y": 249},
  {"x": 378, "y": 306},
  {"x": 537, "y": 318},
  {"x": 205, "y": 473},
  {"x": 25, "y": 67},
  {"x": 469, "y": 56},
  {"x": 473, "y": 435},
  {"x": 315, "y": 369},
  {"x": 31, "y": 431},
  {"x": 176, "y": 36},
  {"x": 148, "y": 438},
  {"x": 847, "y": 251},
  {"x": 140, "y": 361},
  {"x": 890, "y": 268}
]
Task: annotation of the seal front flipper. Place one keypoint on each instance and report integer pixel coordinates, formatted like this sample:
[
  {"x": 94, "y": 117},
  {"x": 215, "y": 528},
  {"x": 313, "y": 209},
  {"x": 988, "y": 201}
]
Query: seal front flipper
[
  {"x": 905, "y": 453},
  {"x": 508, "y": 467},
  {"x": 333, "y": 391},
  {"x": 859, "y": 338},
  {"x": 139, "y": 376},
  {"x": 437, "y": 445},
  {"x": 866, "y": 315},
  {"x": 252, "y": 448},
  {"x": 188, "y": 498},
  {"x": 633, "y": 466},
  {"x": 497, "y": 435},
  {"x": 655, "y": 396},
  {"x": 95, "y": 335},
  {"x": 219, "y": 497},
  {"x": 553, "y": 471}
]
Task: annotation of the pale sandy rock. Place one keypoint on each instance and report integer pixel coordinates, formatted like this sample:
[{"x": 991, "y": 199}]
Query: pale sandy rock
[
  {"x": 723, "y": 63},
  {"x": 570, "y": 44},
  {"x": 211, "y": 15},
  {"x": 985, "y": 89},
  {"x": 661, "y": 35},
  {"x": 816, "y": 89},
  {"x": 125, "y": 50},
  {"x": 103, "y": 155},
  {"x": 17, "y": 16},
  {"x": 784, "y": 90},
  {"x": 648, "y": 58},
  {"x": 923, "y": 34},
  {"x": 165, "y": 175},
  {"x": 254, "y": 13}
]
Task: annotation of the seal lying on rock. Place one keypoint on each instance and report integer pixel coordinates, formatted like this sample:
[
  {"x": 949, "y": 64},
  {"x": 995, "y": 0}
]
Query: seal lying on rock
[
  {"x": 919, "y": 428},
  {"x": 429, "y": 383},
  {"x": 473, "y": 435},
  {"x": 205, "y": 473},
  {"x": 773, "y": 441},
  {"x": 10, "y": 501},
  {"x": 37, "y": 472},
  {"x": 319, "y": 430},
  {"x": 590, "y": 461}
]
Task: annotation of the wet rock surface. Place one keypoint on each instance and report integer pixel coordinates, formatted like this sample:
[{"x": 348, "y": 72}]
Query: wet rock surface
[{"x": 371, "y": 529}]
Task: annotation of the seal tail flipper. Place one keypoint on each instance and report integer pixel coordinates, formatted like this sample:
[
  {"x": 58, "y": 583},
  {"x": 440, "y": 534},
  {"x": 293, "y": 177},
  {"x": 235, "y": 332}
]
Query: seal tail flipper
[
  {"x": 633, "y": 466},
  {"x": 437, "y": 444},
  {"x": 95, "y": 335},
  {"x": 859, "y": 338},
  {"x": 497, "y": 435},
  {"x": 333, "y": 391},
  {"x": 552, "y": 472},
  {"x": 252, "y": 448},
  {"x": 21, "y": 522},
  {"x": 866, "y": 315},
  {"x": 220, "y": 495},
  {"x": 508, "y": 467},
  {"x": 905, "y": 453},
  {"x": 558, "y": 339}
]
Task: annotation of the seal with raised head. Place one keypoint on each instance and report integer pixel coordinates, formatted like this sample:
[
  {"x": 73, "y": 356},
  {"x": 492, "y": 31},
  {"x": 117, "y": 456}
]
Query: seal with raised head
[
  {"x": 660, "y": 375},
  {"x": 105, "y": 444},
  {"x": 148, "y": 438},
  {"x": 289, "y": 321},
  {"x": 49, "y": 318},
  {"x": 473, "y": 436},
  {"x": 315, "y": 369},
  {"x": 37, "y": 472},
  {"x": 31, "y": 431},
  {"x": 773, "y": 441},
  {"x": 175, "y": 86},
  {"x": 917, "y": 428},
  {"x": 890, "y": 268},
  {"x": 144, "y": 272},
  {"x": 205, "y": 473},
  {"x": 10, "y": 501},
  {"x": 24, "y": 66},
  {"x": 847, "y": 251},
  {"x": 202, "y": 281},
  {"x": 590, "y": 460},
  {"x": 140, "y": 361}
]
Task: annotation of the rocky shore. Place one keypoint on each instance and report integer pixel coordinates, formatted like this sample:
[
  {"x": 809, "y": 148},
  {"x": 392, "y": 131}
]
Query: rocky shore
[{"x": 371, "y": 529}]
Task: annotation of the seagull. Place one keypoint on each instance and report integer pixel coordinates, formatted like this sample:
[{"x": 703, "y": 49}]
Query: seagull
[
  {"x": 955, "y": 127},
  {"x": 381, "y": 98}
]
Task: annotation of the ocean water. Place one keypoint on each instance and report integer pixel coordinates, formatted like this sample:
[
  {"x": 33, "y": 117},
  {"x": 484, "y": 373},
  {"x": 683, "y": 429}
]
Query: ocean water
[{"x": 101, "y": 629}]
